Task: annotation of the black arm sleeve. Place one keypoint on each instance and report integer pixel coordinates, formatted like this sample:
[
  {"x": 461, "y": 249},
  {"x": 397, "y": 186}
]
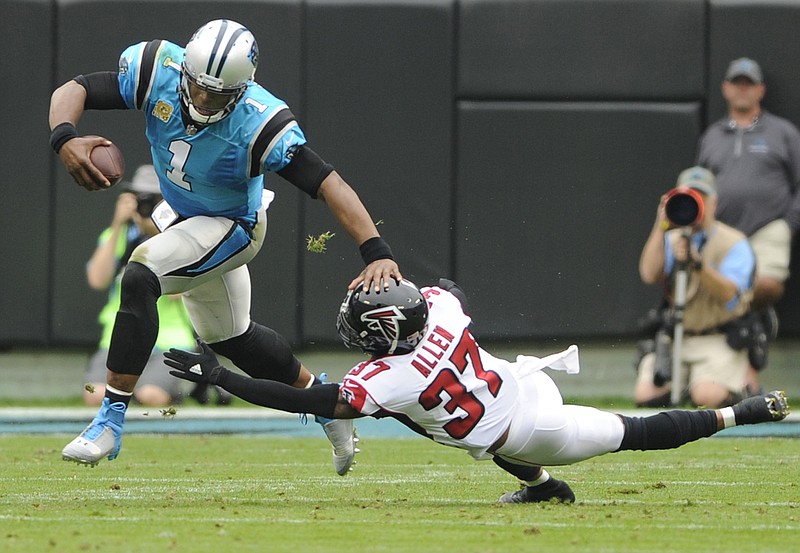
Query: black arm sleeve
[
  {"x": 306, "y": 170},
  {"x": 102, "y": 90},
  {"x": 317, "y": 400}
]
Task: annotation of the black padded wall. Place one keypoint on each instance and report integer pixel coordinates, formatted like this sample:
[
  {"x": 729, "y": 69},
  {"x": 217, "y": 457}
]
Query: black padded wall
[
  {"x": 26, "y": 29},
  {"x": 85, "y": 45},
  {"x": 550, "y": 228},
  {"x": 518, "y": 146},
  {"x": 581, "y": 49},
  {"x": 575, "y": 116},
  {"x": 379, "y": 87}
]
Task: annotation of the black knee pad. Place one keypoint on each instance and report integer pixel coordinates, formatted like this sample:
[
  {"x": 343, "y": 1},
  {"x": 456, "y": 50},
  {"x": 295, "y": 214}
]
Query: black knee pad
[
  {"x": 136, "y": 325},
  {"x": 262, "y": 353}
]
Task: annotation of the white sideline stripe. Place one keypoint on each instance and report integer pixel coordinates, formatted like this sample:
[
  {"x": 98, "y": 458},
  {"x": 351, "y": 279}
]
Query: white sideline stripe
[
  {"x": 186, "y": 483},
  {"x": 137, "y": 412},
  {"x": 437, "y": 522}
]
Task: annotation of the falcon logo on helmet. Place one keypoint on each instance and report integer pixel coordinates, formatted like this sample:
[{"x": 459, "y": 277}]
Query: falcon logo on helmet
[{"x": 385, "y": 321}]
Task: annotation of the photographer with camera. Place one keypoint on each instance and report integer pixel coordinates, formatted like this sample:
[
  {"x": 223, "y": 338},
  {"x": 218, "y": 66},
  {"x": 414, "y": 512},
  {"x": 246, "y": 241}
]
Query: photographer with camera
[
  {"x": 707, "y": 270},
  {"x": 130, "y": 226},
  {"x": 755, "y": 157}
]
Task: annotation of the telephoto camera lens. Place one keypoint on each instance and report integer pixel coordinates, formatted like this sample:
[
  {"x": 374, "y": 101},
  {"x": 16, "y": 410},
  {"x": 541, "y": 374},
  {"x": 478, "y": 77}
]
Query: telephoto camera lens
[{"x": 684, "y": 207}]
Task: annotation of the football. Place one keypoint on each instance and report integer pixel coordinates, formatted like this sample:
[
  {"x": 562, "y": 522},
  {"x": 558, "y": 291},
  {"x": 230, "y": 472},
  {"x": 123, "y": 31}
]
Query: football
[{"x": 110, "y": 162}]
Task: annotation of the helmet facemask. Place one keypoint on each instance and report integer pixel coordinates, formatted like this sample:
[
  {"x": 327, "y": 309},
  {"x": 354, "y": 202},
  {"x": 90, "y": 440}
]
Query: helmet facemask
[
  {"x": 207, "y": 104},
  {"x": 348, "y": 334},
  {"x": 219, "y": 63}
]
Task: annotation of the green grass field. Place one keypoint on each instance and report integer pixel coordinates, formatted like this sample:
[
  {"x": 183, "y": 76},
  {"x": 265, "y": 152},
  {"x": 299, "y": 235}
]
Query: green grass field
[{"x": 255, "y": 493}]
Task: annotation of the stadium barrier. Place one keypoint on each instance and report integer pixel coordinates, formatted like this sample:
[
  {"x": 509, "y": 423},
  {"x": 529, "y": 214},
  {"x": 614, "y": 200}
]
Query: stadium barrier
[{"x": 518, "y": 147}]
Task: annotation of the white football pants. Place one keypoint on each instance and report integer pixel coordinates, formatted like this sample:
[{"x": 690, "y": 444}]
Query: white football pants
[
  {"x": 205, "y": 260},
  {"x": 546, "y": 432}
]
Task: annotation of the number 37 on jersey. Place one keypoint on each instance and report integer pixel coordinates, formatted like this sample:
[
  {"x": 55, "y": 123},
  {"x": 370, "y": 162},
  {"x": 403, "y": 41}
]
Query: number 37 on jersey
[{"x": 455, "y": 381}]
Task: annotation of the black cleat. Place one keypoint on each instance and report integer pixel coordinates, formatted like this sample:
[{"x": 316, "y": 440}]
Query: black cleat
[
  {"x": 765, "y": 408},
  {"x": 551, "y": 490}
]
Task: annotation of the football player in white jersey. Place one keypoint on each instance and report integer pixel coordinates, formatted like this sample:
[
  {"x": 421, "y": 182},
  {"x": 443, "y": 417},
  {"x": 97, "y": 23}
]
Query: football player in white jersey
[
  {"x": 427, "y": 371},
  {"x": 213, "y": 133}
]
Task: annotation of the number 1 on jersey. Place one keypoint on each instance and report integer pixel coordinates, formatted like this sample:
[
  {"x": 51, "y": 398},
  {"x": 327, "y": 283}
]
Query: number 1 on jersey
[{"x": 180, "y": 150}]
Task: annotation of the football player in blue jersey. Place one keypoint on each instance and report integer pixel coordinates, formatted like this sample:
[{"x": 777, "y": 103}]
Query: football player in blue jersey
[{"x": 213, "y": 132}]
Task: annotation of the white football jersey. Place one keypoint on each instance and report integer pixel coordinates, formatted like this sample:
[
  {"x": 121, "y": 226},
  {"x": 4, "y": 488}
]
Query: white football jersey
[{"x": 448, "y": 386}]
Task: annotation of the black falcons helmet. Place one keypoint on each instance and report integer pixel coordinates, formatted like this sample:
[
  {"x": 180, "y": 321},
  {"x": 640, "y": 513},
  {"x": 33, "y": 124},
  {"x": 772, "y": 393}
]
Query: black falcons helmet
[{"x": 388, "y": 322}]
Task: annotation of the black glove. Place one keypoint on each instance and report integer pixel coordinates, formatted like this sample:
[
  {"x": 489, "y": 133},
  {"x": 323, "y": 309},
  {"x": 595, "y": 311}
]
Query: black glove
[{"x": 195, "y": 367}]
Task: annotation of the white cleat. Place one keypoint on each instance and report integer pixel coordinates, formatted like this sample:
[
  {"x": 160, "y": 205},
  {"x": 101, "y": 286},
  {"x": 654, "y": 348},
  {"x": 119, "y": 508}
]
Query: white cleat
[
  {"x": 88, "y": 452},
  {"x": 102, "y": 438},
  {"x": 342, "y": 436}
]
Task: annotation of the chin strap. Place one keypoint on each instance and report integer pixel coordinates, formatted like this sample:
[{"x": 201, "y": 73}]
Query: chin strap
[{"x": 196, "y": 116}]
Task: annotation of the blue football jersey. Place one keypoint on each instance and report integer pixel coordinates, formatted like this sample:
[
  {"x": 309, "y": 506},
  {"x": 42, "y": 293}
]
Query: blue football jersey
[{"x": 219, "y": 170}]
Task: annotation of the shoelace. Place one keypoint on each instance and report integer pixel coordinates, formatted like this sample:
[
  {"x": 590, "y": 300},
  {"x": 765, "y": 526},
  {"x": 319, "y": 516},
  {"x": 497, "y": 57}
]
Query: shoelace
[
  {"x": 94, "y": 430},
  {"x": 97, "y": 426},
  {"x": 101, "y": 422}
]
